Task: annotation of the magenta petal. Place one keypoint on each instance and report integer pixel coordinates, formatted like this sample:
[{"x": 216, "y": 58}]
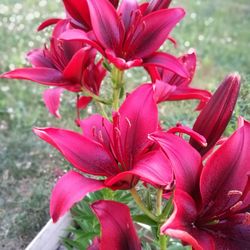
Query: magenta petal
[
  {"x": 180, "y": 225},
  {"x": 51, "y": 98},
  {"x": 114, "y": 2},
  {"x": 186, "y": 162},
  {"x": 137, "y": 117},
  {"x": 117, "y": 228},
  {"x": 48, "y": 22},
  {"x": 166, "y": 61},
  {"x": 70, "y": 188},
  {"x": 163, "y": 91},
  {"x": 38, "y": 59},
  {"x": 153, "y": 168},
  {"x": 157, "y": 5},
  {"x": 83, "y": 102},
  {"x": 186, "y": 130},
  {"x": 153, "y": 30},
  {"x": 45, "y": 76},
  {"x": 76, "y": 66},
  {"x": 84, "y": 154},
  {"x": 78, "y": 10},
  {"x": 126, "y": 9},
  {"x": 80, "y": 35},
  {"x": 186, "y": 93},
  {"x": 120, "y": 63},
  {"x": 237, "y": 231},
  {"x": 227, "y": 170},
  {"x": 106, "y": 24},
  {"x": 215, "y": 116},
  {"x": 97, "y": 128}
]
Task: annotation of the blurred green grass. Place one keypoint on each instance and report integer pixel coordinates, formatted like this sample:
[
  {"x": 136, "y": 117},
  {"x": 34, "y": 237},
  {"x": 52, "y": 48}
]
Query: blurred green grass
[{"x": 218, "y": 30}]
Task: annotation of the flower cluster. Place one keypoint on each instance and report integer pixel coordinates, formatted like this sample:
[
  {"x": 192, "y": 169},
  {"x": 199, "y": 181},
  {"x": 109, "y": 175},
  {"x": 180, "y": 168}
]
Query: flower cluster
[{"x": 202, "y": 184}]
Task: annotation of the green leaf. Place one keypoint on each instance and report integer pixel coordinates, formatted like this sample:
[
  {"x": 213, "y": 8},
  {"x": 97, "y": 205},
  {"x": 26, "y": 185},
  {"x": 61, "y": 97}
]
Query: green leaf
[{"x": 142, "y": 218}]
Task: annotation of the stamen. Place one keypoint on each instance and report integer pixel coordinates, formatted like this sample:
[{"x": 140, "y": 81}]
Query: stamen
[
  {"x": 236, "y": 206},
  {"x": 234, "y": 192}
]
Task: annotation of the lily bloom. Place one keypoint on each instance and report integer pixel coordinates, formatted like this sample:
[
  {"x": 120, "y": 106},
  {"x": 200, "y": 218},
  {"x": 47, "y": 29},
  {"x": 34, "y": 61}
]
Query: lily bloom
[
  {"x": 169, "y": 86},
  {"x": 215, "y": 116},
  {"x": 119, "y": 151},
  {"x": 127, "y": 38},
  {"x": 117, "y": 228},
  {"x": 77, "y": 13},
  {"x": 217, "y": 215},
  {"x": 65, "y": 65}
]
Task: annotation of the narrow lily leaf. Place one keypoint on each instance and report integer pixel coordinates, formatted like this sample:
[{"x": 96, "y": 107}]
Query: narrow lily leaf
[
  {"x": 153, "y": 30},
  {"x": 106, "y": 24},
  {"x": 48, "y": 22},
  {"x": 70, "y": 188},
  {"x": 78, "y": 150},
  {"x": 51, "y": 98},
  {"x": 186, "y": 162},
  {"x": 118, "y": 231},
  {"x": 166, "y": 61},
  {"x": 142, "y": 218},
  {"x": 215, "y": 116}
]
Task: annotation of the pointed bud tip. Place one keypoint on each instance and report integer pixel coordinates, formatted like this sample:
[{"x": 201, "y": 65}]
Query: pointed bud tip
[{"x": 234, "y": 78}]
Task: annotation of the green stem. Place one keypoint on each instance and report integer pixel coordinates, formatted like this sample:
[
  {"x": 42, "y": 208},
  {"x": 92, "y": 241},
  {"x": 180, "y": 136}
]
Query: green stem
[
  {"x": 102, "y": 110},
  {"x": 163, "y": 240},
  {"x": 167, "y": 209},
  {"x": 141, "y": 205},
  {"x": 117, "y": 79},
  {"x": 96, "y": 97},
  {"x": 159, "y": 201}
]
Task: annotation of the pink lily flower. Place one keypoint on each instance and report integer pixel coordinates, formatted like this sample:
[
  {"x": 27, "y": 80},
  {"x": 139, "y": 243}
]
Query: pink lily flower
[
  {"x": 217, "y": 217},
  {"x": 77, "y": 13},
  {"x": 117, "y": 228},
  {"x": 215, "y": 116},
  {"x": 169, "y": 86},
  {"x": 119, "y": 151},
  {"x": 65, "y": 65},
  {"x": 127, "y": 38}
]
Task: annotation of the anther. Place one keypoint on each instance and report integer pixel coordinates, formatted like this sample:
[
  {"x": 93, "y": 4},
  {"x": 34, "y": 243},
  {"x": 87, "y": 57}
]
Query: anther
[{"x": 236, "y": 206}]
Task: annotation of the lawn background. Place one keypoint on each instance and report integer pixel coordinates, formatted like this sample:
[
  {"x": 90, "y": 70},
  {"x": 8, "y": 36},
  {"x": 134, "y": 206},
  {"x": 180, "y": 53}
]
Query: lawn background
[{"x": 218, "y": 30}]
